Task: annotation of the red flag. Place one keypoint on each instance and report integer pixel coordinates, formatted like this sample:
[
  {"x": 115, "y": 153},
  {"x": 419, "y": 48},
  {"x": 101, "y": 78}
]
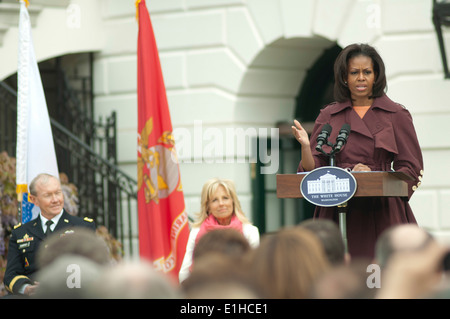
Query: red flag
[{"x": 163, "y": 230}]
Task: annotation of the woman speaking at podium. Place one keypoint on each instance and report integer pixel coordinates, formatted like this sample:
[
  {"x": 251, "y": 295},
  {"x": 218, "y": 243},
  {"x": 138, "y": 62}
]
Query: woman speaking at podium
[{"x": 382, "y": 138}]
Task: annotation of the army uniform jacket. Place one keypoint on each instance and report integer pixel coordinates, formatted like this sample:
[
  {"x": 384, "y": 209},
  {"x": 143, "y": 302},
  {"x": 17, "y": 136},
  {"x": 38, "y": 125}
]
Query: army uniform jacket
[{"x": 23, "y": 247}]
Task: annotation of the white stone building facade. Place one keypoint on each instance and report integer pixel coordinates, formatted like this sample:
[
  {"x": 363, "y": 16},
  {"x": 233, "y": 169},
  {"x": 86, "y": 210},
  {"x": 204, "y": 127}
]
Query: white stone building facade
[{"x": 240, "y": 64}]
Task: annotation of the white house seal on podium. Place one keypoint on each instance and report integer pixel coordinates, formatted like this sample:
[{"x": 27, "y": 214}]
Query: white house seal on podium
[{"x": 328, "y": 186}]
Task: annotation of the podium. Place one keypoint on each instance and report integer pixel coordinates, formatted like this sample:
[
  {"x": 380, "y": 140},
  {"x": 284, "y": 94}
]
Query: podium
[{"x": 369, "y": 184}]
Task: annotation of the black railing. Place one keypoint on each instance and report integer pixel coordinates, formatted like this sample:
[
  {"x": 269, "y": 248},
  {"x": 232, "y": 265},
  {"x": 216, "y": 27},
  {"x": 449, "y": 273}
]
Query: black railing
[
  {"x": 106, "y": 193},
  {"x": 8, "y": 124}
]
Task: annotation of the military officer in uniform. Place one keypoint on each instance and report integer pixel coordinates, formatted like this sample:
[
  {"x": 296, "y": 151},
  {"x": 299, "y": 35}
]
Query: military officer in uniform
[{"x": 46, "y": 193}]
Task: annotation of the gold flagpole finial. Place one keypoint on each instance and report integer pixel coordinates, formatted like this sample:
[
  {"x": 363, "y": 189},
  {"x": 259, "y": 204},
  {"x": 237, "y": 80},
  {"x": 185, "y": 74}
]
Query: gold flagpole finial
[
  {"x": 27, "y": 2},
  {"x": 137, "y": 9}
]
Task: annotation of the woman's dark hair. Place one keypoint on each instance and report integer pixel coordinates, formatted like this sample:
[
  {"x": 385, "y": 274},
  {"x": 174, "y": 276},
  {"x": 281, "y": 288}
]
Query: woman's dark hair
[{"x": 341, "y": 91}]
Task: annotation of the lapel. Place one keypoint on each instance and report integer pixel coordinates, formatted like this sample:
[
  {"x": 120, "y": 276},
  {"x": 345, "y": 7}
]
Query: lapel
[
  {"x": 36, "y": 225},
  {"x": 36, "y": 228},
  {"x": 348, "y": 115},
  {"x": 63, "y": 222},
  {"x": 375, "y": 120},
  {"x": 372, "y": 123},
  {"x": 360, "y": 125}
]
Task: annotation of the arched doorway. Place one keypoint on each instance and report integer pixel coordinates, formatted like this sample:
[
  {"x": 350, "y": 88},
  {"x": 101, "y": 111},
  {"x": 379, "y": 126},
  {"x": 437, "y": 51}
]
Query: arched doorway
[{"x": 316, "y": 90}]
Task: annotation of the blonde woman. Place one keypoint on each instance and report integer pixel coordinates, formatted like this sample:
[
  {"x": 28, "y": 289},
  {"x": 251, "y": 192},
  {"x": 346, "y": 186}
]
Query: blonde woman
[{"x": 220, "y": 209}]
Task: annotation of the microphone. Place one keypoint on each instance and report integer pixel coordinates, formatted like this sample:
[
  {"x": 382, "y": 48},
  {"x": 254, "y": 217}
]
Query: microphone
[
  {"x": 322, "y": 138},
  {"x": 341, "y": 139}
]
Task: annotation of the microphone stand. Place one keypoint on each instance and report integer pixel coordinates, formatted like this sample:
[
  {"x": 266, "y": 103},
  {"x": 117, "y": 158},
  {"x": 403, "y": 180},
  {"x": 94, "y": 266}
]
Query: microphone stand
[
  {"x": 331, "y": 155},
  {"x": 342, "y": 208}
]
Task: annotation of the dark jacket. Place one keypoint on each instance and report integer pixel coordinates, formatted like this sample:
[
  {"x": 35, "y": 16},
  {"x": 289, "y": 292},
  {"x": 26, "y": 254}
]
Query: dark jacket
[
  {"x": 23, "y": 247},
  {"x": 385, "y": 136}
]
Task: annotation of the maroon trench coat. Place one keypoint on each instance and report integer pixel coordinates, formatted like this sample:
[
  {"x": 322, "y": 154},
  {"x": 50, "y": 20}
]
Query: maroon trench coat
[{"x": 385, "y": 140}]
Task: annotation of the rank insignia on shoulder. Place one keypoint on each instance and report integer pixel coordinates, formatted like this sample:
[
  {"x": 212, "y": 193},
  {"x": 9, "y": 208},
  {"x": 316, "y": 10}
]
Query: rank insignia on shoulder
[
  {"x": 90, "y": 220},
  {"x": 18, "y": 225}
]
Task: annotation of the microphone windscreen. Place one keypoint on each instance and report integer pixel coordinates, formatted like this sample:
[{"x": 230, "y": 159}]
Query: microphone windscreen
[
  {"x": 327, "y": 127},
  {"x": 346, "y": 127}
]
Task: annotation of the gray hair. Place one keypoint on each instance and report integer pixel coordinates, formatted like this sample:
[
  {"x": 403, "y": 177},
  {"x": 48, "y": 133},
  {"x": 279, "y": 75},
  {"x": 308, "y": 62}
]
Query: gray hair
[{"x": 43, "y": 178}]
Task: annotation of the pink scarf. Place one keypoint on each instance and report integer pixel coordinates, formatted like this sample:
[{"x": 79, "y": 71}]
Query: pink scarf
[{"x": 211, "y": 223}]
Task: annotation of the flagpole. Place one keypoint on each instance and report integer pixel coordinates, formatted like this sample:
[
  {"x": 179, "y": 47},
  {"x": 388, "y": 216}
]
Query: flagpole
[
  {"x": 35, "y": 151},
  {"x": 19, "y": 207},
  {"x": 162, "y": 218}
]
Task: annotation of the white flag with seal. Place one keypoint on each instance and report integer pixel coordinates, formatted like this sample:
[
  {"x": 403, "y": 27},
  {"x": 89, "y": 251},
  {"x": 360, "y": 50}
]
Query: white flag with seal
[{"x": 35, "y": 151}]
